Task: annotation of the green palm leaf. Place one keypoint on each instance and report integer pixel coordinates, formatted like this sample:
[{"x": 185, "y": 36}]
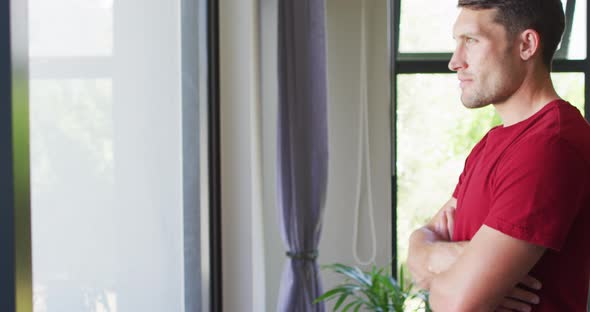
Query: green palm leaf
[{"x": 375, "y": 290}]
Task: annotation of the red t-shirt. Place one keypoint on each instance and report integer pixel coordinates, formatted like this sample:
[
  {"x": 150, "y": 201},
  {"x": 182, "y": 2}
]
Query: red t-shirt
[{"x": 531, "y": 181}]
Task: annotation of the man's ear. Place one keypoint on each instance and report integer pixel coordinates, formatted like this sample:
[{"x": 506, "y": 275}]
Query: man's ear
[{"x": 530, "y": 44}]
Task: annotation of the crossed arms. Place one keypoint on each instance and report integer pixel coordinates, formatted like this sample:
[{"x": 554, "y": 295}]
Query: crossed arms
[{"x": 480, "y": 275}]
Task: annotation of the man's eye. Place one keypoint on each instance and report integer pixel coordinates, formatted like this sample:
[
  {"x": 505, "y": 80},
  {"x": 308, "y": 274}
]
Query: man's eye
[{"x": 469, "y": 40}]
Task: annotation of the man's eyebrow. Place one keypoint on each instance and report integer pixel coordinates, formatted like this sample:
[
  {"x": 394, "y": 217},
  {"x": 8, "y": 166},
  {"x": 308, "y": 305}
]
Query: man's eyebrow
[{"x": 468, "y": 35}]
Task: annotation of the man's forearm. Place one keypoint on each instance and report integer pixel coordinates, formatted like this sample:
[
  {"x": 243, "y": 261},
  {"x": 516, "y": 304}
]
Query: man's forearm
[{"x": 430, "y": 254}]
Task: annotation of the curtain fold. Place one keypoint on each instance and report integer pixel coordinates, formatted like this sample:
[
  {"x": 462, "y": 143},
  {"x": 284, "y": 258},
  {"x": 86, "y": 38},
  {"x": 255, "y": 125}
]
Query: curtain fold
[{"x": 302, "y": 148}]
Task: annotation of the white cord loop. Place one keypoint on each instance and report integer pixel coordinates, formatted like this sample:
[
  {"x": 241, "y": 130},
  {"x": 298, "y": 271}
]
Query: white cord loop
[{"x": 364, "y": 145}]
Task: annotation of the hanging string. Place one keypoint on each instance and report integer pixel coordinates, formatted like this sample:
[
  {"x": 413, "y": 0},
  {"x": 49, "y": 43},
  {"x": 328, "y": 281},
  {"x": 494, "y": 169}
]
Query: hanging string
[{"x": 364, "y": 146}]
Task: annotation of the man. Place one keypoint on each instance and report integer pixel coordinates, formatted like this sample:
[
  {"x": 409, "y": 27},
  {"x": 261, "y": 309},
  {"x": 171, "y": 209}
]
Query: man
[{"x": 515, "y": 236}]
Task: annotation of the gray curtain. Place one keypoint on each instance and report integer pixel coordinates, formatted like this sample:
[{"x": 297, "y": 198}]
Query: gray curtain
[{"x": 302, "y": 148}]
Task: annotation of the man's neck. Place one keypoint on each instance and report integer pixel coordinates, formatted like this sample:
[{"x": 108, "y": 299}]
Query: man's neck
[{"x": 530, "y": 98}]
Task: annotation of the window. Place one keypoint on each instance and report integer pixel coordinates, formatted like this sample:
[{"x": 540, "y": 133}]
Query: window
[
  {"x": 432, "y": 131},
  {"x": 122, "y": 115}
]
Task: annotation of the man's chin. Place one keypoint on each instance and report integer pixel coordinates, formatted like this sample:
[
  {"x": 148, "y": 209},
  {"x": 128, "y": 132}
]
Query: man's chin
[{"x": 473, "y": 103}]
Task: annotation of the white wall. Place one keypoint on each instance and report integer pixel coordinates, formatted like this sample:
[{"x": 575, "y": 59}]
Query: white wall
[
  {"x": 274, "y": 250},
  {"x": 249, "y": 128},
  {"x": 242, "y": 248},
  {"x": 344, "y": 17}
]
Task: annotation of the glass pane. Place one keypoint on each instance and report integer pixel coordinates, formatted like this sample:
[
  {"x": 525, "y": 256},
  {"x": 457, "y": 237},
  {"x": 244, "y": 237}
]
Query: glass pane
[
  {"x": 416, "y": 36},
  {"x": 72, "y": 177},
  {"x": 570, "y": 86},
  {"x": 70, "y": 28},
  {"x": 106, "y": 168},
  {"x": 435, "y": 133},
  {"x": 576, "y": 48}
]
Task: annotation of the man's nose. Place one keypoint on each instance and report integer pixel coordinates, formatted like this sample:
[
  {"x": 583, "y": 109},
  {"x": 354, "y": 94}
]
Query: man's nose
[{"x": 457, "y": 62}]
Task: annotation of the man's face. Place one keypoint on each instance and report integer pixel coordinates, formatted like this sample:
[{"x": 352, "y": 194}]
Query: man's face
[{"x": 486, "y": 62}]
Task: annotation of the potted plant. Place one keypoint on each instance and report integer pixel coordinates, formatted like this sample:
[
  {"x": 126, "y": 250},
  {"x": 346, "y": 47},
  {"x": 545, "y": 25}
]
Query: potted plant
[{"x": 375, "y": 290}]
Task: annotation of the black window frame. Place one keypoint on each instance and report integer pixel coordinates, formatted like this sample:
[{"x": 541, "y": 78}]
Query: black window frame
[
  {"x": 437, "y": 63},
  {"x": 16, "y": 293}
]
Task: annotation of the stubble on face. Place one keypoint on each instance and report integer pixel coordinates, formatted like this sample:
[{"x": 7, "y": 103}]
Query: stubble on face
[
  {"x": 476, "y": 100},
  {"x": 483, "y": 96},
  {"x": 493, "y": 84}
]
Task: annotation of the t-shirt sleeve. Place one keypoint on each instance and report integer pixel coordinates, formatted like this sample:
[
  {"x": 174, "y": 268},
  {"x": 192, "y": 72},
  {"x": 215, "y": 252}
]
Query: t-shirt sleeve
[{"x": 537, "y": 192}]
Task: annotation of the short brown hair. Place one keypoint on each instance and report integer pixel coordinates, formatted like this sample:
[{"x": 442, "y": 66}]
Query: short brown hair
[{"x": 544, "y": 16}]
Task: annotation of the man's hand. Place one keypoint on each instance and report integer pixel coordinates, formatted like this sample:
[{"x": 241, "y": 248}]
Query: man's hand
[
  {"x": 520, "y": 299},
  {"x": 445, "y": 222}
]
